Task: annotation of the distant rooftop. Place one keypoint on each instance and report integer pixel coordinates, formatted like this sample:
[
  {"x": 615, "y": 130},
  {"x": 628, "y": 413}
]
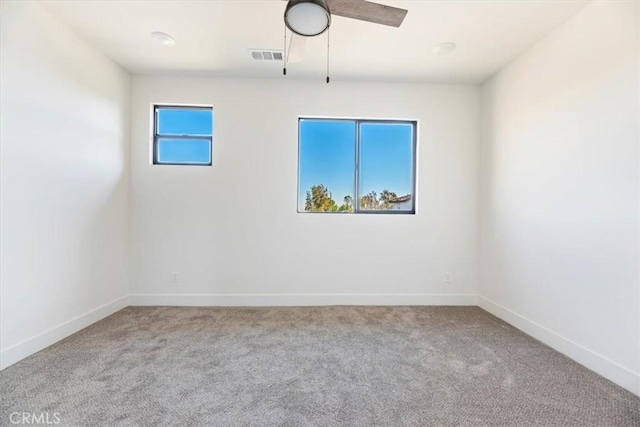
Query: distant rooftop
[{"x": 401, "y": 199}]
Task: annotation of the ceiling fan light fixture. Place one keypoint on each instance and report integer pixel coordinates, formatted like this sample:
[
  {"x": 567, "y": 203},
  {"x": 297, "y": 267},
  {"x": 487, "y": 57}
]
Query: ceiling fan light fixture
[{"x": 307, "y": 17}]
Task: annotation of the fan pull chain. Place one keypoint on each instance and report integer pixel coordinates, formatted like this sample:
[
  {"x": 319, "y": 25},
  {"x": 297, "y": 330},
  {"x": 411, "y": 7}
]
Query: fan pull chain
[
  {"x": 284, "y": 52},
  {"x": 328, "y": 46}
]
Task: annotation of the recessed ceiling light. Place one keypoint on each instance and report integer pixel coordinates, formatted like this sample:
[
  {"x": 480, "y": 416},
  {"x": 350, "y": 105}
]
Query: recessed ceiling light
[
  {"x": 163, "y": 38},
  {"x": 444, "y": 48}
]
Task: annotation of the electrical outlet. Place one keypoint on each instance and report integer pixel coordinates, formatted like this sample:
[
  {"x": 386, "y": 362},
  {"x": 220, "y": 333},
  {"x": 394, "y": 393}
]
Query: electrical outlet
[
  {"x": 447, "y": 278},
  {"x": 174, "y": 277}
]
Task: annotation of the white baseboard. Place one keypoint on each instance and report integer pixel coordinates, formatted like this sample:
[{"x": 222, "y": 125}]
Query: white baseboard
[
  {"x": 26, "y": 348},
  {"x": 607, "y": 368},
  {"x": 255, "y": 300}
]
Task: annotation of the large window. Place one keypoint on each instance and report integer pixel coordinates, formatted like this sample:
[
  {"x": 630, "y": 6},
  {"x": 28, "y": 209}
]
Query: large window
[
  {"x": 182, "y": 135},
  {"x": 356, "y": 166}
]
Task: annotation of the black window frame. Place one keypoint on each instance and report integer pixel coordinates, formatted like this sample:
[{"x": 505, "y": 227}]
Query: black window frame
[
  {"x": 157, "y": 135},
  {"x": 356, "y": 188}
]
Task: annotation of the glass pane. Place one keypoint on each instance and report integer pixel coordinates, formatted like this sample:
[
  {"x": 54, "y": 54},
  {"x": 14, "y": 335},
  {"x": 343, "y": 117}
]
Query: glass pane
[
  {"x": 386, "y": 166},
  {"x": 326, "y": 165},
  {"x": 176, "y": 121},
  {"x": 184, "y": 151}
]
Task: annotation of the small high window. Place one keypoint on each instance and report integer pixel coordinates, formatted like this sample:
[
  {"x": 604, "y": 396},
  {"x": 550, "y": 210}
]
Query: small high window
[
  {"x": 182, "y": 135},
  {"x": 356, "y": 166}
]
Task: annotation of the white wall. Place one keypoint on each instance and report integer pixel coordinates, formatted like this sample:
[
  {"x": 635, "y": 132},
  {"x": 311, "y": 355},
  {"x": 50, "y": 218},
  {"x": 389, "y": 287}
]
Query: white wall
[
  {"x": 560, "y": 191},
  {"x": 232, "y": 230},
  {"x": 64, "y": 182}
]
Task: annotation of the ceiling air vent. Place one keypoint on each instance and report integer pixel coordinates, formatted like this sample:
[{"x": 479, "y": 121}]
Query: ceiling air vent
[{"x": 266, "y": 55}]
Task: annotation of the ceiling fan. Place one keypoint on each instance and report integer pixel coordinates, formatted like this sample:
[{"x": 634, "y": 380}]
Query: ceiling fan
[{"x": 309, "y": 18}]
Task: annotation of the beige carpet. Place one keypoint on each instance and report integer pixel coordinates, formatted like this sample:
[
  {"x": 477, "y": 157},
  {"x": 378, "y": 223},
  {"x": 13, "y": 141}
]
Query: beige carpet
[{"x": 329, "y": 366}]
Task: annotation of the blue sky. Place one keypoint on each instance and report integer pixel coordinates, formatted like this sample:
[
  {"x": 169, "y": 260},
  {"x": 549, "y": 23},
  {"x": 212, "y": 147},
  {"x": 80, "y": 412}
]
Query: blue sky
[
  {"x": 327, "y": 151},
  {"x": 184, "y": 122},
  {"x": 174, "y": 121},
  {"x": 327, "y": 156}
]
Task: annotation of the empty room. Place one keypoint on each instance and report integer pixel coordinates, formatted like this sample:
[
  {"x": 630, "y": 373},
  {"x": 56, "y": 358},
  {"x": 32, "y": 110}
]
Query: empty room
[{"x": 320, "y": 213}]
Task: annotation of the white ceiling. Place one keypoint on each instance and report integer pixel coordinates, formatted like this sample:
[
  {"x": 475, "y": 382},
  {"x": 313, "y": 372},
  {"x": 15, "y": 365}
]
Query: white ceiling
[{"x": 213, "y": 37}]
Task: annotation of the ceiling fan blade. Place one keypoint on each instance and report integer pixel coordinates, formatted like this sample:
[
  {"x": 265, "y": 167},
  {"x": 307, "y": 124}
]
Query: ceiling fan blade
[
  {"x": 366, "y": 11},
  {"x": 296, "y": 48}
]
